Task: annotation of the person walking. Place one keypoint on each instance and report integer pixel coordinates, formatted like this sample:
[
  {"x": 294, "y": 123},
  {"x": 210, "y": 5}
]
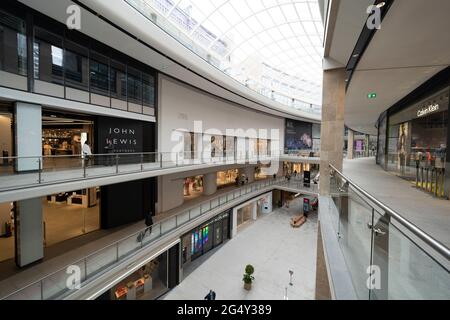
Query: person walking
[
  {"x": 149, "y": 222},
  {"x": 210, "y": 296},
  {"x": 86, "y": 153}
]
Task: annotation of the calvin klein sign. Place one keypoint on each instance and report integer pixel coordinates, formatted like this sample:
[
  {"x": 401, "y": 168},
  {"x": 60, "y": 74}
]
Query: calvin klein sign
[{"x": 427, "y": 110}]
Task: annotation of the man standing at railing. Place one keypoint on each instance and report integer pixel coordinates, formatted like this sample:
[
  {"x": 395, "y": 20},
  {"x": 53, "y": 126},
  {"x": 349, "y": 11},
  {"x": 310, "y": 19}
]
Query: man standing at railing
[{"x": 86, "y": 153}]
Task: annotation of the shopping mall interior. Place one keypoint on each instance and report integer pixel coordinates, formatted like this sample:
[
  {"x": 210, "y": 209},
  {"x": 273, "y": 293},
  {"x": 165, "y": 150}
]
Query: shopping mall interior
[{"x": 230, "y": 150}]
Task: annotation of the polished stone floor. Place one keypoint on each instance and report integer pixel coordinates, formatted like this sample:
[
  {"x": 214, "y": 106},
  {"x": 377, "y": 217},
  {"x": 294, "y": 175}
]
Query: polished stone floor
[
  {"x": 273, "y": 247},
  {"x": 430, "y": 214}
]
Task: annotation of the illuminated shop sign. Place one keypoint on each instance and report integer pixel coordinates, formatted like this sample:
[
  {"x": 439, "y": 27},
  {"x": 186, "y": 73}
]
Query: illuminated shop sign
[{"x": 427, "y": 110}]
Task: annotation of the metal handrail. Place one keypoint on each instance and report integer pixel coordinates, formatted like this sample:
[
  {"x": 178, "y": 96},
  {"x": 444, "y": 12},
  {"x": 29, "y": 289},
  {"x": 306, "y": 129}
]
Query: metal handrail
[
  {"x": 117, "y": 242},
  {"x": 224, "y": 154},
  {"x": 433, "y": 243}
]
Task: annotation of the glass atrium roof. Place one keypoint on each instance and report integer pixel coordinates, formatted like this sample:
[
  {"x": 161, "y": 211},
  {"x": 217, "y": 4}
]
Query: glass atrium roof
[{"x": 271, "y": 46}]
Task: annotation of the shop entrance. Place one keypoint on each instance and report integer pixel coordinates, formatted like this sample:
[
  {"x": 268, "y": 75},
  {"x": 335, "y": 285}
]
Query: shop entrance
[
  {"x": 227, "y": 178},
  {"x": 6, "y": 138},
  {"x": 193, "y": 187},
  {"x": 64, "y": 135},
  {"x": 66, "y": 215},
  {"x": 206, "y": 237},
  {"x": 70, "y": 214}
]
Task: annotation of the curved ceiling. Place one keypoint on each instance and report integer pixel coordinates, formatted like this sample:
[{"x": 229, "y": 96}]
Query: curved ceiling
[{"x": 272, "y": 46}]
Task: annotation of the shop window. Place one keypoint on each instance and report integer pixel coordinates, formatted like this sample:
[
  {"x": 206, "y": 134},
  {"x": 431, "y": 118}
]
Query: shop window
[
  {"x": 48, "y": 56},
  {"x": 134, "y": 84},
  {"x": 148, "y": 92},
  {"x": 99, "y": 74},
  {"x": 118, "y": 80},
  {"x": 13, "y": 44},
  {"x": 76, "y": 66}
]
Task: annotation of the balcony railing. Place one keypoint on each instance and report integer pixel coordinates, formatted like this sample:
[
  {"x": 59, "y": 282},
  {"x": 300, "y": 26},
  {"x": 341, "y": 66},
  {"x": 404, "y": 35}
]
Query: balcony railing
[
  {"x": 54, "y": 285},
  {"x": 387, "y": 256},
  {"x": 23, "y": 172}
]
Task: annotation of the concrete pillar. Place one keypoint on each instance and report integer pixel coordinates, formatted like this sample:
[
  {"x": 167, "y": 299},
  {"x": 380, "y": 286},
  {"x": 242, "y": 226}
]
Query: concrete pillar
[
  {"x": 366, "y": 145},
  {"x": 255, "y": 210},
  {"x": 350, "y": 144},
  {"x": 332, "y": 132},
  {"x": 29, "y": 231},
  {"x": 170, "y": 193},
  {"x": 249, "y": 172},
  {"x": 210, "y": 183},
  {"x": 234, "y": 223},
  {"x": 28, "y": 131}
]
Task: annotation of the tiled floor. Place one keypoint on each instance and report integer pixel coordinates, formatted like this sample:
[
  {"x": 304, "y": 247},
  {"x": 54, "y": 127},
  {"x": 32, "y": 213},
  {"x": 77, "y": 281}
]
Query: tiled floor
[
  {"x": 429, "y": 214},
  {"x": 273, "y": 247}
]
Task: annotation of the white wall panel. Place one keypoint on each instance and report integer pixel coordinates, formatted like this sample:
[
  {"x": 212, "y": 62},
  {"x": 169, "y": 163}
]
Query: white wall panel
[{"x": 180, "y": 106}]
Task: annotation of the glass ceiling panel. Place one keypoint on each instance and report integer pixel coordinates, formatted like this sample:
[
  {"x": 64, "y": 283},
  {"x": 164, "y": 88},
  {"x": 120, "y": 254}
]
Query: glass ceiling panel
[{"x": 272, "y": 46}]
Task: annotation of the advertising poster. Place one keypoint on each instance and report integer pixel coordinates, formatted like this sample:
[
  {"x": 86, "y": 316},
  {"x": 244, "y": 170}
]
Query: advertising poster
[{"x": 298, "y": 135}]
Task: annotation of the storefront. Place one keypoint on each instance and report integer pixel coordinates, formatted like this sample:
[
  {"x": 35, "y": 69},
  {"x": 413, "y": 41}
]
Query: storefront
[
  {"x": 226, "y": 178},
  {"x": 150, "y": 281},
  {"x": 193, "y": 187},
  {"x": 64, "y": 134},
  {"x": 205, "y": 237},
  {"x": 413, "y": 136},
  {"x": 65, "y": 216},
  {"x": 418, "y": 134},
  {"x": 6, "y": 135}
]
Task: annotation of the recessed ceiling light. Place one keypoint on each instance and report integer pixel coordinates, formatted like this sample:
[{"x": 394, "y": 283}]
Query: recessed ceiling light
[
  {"x": 356, "y": 55},
  {"x": 381, "y": 4}
]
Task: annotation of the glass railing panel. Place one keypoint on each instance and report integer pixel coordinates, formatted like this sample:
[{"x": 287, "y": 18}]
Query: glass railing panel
[
  {"x": 195, "y": 212},
  {"x": 168, "y": 225},
  {"x": 59, "y": 282},
  {"x": 206, "y": 207},
  {"x": 182, "y": 218},
  {"x": 101, "y": 260},
  {"x": 406, "y": 271},
  {"x": 223, "y": 199},
  {"x": 152, "y": 234},
  {"x": 129, "y": 245},
  {"x": 214, "y": 203},
  {"x": 355, "y": 236},
  {"x": 237, "y": 193},
  {"x": 32, "y": 292}
]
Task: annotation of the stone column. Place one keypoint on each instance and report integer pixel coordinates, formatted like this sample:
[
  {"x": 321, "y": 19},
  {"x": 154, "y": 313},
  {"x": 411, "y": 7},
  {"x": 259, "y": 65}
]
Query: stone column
[
  {"x": 28, "y": 131},
  {"x": 350, "y": 144},
  {"x": 332, "y": 133},
  {"x": 255, "y": 210},
  {"x": 367, "y": 146},
  {"x": 29, "y": 231},
  {"x": 210, "y": 183},
  {"x": 249, "y": 173}
]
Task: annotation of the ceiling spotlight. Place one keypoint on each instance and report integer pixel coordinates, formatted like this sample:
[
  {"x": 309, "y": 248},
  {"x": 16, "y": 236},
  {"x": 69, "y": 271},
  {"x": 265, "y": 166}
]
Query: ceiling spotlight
[
  {"x": 356, "y": 55},
  {"x": 381, "y": 4}
]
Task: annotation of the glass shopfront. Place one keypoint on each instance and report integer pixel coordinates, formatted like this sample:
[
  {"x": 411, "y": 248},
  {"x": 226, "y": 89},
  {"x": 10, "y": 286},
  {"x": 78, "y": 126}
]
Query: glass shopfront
[
  {"x": 206, "y": 237},
  {"x": 6, "y": 137},
  {"x": 68, "y": 64},
  {"x": 193, "y": 187},
  {"x": 244, "y": 215},
  {"x": 148, "y": 283},
  {"x": 226, "y": 178},
  {"x": 417, "y": 137},
  {"x": 66, "y": 215}
]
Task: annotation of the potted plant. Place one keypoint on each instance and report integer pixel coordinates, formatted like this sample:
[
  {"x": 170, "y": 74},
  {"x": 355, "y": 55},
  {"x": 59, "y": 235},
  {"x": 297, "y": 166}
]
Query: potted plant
[{"x": 248, "y": 277}]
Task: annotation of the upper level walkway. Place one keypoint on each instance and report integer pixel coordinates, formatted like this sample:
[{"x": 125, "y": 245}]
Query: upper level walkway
[
  {"x": 101, "y": 260},
  {"x": 430, "y": 214},
  {"x": 52, "y": 174}
]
